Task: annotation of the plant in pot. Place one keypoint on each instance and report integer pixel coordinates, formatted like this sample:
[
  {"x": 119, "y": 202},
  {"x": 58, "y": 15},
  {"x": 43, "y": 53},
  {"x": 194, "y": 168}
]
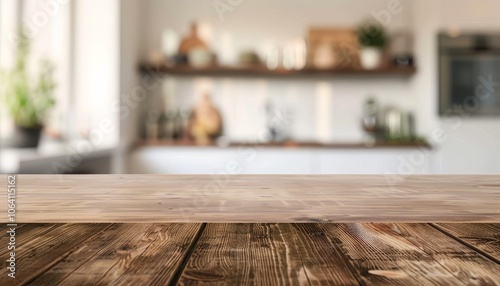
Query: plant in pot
[
  {"x": 372, "y": 38},
  {"x": 27, "y": 100}
]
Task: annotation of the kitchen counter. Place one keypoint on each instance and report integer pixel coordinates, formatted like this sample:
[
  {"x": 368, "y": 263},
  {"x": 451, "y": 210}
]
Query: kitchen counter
[
  {"x": 292, "y": 144},
  {"x": 51, "y": 158},
  {"x": 256, "y": 254}
]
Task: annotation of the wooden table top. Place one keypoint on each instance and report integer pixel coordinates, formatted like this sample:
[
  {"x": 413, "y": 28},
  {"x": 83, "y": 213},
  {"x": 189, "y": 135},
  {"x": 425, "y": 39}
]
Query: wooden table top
[
  {"x": 223, "y": 198},
  {"x": 255, "y": 254}
]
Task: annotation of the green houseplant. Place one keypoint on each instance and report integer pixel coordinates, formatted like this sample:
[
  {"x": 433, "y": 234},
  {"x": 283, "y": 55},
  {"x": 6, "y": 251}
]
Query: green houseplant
[
  {"x": 27, "y": 99},
  {"x": 372, "y": 39}
]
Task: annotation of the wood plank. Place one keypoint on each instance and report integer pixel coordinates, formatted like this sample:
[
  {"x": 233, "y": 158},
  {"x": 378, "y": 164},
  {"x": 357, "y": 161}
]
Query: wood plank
[
  {"x": 40, "y": 252},
  {"x": 256, "y": 198},
  {"x": 469, "y": 266},
  {"x": 482, "y": 237},
  {"x": 125, "y": 254},
  {"x": 265, "y": 254},
  {"x": 410, "y": 254},
  {"x": 26, "y": 233}
]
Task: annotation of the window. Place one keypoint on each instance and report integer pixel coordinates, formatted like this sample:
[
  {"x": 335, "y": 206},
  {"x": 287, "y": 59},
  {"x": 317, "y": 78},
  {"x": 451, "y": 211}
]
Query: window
[
  {"x": 8, "y": 26},
  {"x": 81, "y": 38}
]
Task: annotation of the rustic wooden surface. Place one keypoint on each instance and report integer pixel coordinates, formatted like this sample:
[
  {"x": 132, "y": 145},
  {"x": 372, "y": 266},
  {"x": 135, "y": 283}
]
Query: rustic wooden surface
[
  {"x": 152, "y": 251},
  {"x": 99, "y": 254},
  {"x": 410, "y": 254},
  {"x": 43, "y": 246},
  {"x": 484, "y": 238},
  {"x": 254, "y": 254},
  {"x": 253, "y": 198},
  {"x": 265, "y": 254}
]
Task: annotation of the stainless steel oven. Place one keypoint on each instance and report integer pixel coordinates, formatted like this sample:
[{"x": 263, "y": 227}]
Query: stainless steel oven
[{"x": 469, "y": 75}]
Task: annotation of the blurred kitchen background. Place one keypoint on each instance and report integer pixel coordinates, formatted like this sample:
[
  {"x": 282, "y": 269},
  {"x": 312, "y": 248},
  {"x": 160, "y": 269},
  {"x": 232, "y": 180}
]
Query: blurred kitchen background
[{"x": 250, "y": 86}]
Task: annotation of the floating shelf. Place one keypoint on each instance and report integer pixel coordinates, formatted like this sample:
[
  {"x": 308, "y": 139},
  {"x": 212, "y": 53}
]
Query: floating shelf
[{"x": 262, "y": 71}]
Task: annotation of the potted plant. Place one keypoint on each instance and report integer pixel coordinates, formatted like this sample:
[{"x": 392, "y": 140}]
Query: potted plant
[
  {"x": 372, "y": 38},
  {"x": 27, "y": 100}
]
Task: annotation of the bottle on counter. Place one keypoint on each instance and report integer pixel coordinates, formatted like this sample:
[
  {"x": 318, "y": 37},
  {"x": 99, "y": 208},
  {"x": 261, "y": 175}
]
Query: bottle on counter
[
  {"x": 185, "y": 115},
  {"x": 408, "y": 127},
  {"x": 393, "y": 124},
  {"x": 370, "y": 121},
  {"x": 278, "y": 123},
  {"x": 169, "y": 127},
  {"x": 153, "y": 127}
]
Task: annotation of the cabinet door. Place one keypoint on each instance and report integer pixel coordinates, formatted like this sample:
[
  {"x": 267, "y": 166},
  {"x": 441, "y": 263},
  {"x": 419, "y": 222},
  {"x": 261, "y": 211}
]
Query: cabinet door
[
  {"x": 374, "y": 161},
  {"x": 182, "y": 160},
  {"x": 244, "y": 160},
  {"x": 279, "y": 161}
]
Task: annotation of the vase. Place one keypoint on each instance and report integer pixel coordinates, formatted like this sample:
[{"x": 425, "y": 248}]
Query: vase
[
  {"x": 27, "y": 137},
  {"x": 371, "y": 57}
]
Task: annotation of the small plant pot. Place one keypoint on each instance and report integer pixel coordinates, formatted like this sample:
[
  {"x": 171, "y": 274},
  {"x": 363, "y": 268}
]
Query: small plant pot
[
  {"x": 371, "y": 58},
  {"x": 27, "y": 137}
]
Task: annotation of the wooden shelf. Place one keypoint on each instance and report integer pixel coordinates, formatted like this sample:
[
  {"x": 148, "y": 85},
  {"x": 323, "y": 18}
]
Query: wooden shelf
[
  {"x": 290, "y": 145},
  {"x": 262, "y": 71}
]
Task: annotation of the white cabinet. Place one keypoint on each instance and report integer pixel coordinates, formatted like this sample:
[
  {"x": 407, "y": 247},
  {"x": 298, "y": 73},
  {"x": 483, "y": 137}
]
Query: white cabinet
[
  {"x": 374, "y": 161},
  {"x": 258, "y": 160},
  {"x": 280, "y": 161},
  {"x": 212, "y": 160},
  {"x": 180, "y": 160}
]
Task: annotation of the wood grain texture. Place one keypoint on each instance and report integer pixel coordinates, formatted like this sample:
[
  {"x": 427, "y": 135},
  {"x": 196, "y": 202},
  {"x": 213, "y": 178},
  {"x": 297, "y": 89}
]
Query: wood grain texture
[
  {"x": 125, "y": 254},
  {"x": 44, "y": 246},
  {"x": 255, "y": 254},
  {"x": 483, "y": 237},
  {"x": 410, "y": 254},
  {"x": 24, "y": 233},
  {"x": 265, "y": 254},
  {"x": 254, "y": 198}
]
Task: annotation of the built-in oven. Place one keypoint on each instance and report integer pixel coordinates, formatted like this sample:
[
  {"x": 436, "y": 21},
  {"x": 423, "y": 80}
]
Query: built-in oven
[{"x": 469, "y": 74}]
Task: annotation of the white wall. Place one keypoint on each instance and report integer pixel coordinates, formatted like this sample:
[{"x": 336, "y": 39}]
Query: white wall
[
  {"x": 131, "y": 31},
  {"x": 327, "y": 109},
  {"x": 96, "y": 64},
  {"x": 465, "y": 145}
]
